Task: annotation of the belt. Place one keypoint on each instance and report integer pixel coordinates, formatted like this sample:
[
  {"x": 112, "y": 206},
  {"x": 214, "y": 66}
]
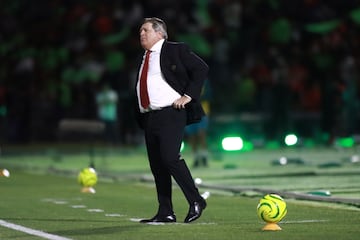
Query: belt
[{"x": 149, "y": 109}]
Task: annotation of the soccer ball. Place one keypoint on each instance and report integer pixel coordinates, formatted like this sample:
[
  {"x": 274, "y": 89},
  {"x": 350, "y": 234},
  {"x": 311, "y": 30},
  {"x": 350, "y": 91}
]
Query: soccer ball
[
  {"x": 87, "y": 177},
  {"x": 271, "y": 208}
]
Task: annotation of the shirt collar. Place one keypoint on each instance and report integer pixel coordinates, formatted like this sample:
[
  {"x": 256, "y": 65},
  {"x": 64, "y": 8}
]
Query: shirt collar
[{"x": 157, "y": 46}]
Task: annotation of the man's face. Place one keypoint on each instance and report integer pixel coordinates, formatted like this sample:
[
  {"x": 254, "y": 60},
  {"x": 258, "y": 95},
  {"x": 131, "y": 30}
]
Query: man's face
[{"x": 148, "y": 36}]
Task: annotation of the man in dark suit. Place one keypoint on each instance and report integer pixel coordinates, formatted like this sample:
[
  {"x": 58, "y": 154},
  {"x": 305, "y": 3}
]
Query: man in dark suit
[{"x": 174, "y": 77}]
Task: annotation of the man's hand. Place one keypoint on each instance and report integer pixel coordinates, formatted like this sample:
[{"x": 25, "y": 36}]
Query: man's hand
[{"x": 181, "y": 102}]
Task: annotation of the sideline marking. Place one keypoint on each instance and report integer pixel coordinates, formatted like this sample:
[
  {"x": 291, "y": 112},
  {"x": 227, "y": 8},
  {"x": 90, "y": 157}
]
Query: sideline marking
[
  {"x": 78, "y": 206},
  {"x": 32, "y": 231},
  {"x": 114, "y": 215},
  {"x": 95, "y": 210}
]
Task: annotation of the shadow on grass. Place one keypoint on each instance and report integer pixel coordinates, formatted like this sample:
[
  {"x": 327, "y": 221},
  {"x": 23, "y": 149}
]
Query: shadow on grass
[{"x": 96, "y": 231}]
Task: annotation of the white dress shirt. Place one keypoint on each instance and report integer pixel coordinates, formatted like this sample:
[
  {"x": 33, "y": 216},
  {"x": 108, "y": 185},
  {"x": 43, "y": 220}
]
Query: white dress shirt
[{"x": 161, "y": 94}]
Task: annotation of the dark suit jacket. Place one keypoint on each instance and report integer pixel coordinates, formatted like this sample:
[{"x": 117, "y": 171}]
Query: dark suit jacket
[{"x": 185, "y": 72}]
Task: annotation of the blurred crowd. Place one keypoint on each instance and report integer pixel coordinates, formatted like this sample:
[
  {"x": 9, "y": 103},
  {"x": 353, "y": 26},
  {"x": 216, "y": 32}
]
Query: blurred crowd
[{"x": 271, "y": 57}]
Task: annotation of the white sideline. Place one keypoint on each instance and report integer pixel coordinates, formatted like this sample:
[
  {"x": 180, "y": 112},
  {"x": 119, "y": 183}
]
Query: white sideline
[{"x": 32, "y": 231}]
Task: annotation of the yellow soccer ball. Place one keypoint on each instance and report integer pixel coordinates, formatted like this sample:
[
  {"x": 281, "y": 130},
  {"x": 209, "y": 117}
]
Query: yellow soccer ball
[
  {"x": 271, "y": 208},
  {"x": 87, "y": 177}
]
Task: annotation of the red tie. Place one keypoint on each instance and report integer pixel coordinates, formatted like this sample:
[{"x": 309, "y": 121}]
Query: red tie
[{"x": 144, "y": 97}]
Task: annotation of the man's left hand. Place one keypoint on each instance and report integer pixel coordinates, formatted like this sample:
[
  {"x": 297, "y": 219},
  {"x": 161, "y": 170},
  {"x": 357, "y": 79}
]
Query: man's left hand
[{"x": 181, "y": 102}]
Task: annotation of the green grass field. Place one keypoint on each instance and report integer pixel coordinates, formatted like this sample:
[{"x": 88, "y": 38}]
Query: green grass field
[{"x": 42, "y": 194}]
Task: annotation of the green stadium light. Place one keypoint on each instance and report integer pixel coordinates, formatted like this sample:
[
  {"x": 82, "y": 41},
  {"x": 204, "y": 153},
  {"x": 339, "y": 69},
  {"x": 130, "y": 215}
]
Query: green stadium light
[
  {"x": 291, "y": 139},
  {"x": 232, "y": 143},
  {"x": 346, "y": 142},
  {"x": 247, "y": 146}
]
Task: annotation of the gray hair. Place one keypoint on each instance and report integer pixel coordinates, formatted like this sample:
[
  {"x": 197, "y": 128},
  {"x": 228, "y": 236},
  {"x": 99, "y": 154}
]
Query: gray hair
[{"x": 158, "y": 25}]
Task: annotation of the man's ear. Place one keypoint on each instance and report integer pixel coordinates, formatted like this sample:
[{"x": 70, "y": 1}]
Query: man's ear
[{"x": 160, "y": 35}]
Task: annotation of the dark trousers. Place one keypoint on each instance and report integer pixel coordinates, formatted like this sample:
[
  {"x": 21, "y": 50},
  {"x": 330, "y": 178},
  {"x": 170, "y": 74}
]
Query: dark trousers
[{"x": 164, "y": 130}]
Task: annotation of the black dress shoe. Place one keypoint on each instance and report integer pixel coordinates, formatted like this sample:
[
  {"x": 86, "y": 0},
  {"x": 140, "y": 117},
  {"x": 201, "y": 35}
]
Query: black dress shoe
[
  {"x": 160, "y": 218},
  {"x": 195, "y": 211}
]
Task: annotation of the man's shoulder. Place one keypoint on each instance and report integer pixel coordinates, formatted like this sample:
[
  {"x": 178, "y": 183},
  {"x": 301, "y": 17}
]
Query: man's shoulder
[
  {"x": 174, "y": 48},
  {"x": 172, "y": 44}
]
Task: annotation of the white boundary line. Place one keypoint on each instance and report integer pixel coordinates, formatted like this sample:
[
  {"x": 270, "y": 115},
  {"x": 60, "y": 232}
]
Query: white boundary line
[{"x": 32, "y": 231}]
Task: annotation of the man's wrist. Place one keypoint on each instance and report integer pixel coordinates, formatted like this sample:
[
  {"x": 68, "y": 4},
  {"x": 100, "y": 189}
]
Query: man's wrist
[{"x": 185, "y": 95}]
